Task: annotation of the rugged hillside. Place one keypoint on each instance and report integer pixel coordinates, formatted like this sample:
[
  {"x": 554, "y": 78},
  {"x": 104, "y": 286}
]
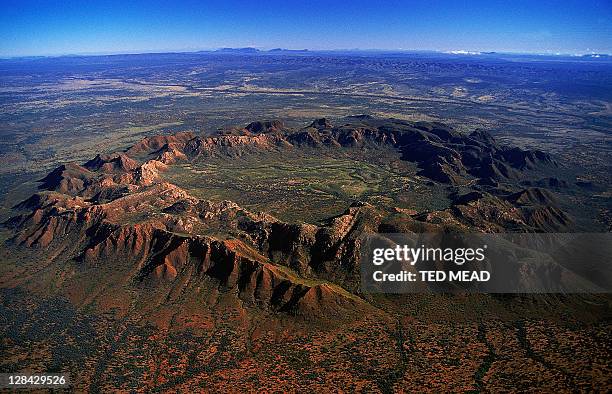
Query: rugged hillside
[
  {"x": 443, "y": 154},
  {"x": 117, "y": 208}
]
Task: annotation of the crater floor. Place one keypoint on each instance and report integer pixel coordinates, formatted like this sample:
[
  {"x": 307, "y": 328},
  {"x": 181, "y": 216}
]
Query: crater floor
[{"x": 309, "y": 185}]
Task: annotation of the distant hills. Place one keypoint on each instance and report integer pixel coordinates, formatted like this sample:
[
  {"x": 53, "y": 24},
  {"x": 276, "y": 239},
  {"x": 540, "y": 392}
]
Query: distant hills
[
  {"x": 250, "y": 50},
  {"x": 349, "y": 52}
]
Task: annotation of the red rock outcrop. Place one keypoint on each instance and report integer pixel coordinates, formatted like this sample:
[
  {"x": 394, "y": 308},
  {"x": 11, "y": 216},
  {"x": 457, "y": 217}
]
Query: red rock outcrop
[
  {"x": 116, "y": 211},
  {"x": 153, "y": 144}
]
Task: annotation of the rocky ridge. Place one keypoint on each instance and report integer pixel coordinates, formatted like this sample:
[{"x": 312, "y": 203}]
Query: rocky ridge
[{"x": 117, "y": 210}]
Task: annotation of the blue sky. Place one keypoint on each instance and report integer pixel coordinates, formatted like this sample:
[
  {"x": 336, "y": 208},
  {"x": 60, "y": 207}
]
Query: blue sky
[{"x": 67, "y": 27}]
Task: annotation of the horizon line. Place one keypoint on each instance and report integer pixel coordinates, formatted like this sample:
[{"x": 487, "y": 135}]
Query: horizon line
[{"x": 458, "y": 52}]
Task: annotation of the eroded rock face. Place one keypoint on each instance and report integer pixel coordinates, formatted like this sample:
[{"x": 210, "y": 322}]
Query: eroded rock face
[
  {"x": 443, "y": 154},
  {"x": 69, "y": 178},
  {"x": 115, "y": 212},
  {"x": 155, "y": 143},
  {"x": 117, "y": 162}
]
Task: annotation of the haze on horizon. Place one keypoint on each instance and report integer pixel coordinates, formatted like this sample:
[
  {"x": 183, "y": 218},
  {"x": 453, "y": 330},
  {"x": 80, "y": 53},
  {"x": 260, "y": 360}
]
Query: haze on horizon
[{"x": 29, "y": 28}]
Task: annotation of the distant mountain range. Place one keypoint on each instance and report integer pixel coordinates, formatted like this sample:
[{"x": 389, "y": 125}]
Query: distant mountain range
[{"x": 346, "y": 52}]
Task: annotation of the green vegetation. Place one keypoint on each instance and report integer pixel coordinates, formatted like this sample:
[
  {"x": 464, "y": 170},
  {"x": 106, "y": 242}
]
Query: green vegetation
[{"x": 308, "y": 185}]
